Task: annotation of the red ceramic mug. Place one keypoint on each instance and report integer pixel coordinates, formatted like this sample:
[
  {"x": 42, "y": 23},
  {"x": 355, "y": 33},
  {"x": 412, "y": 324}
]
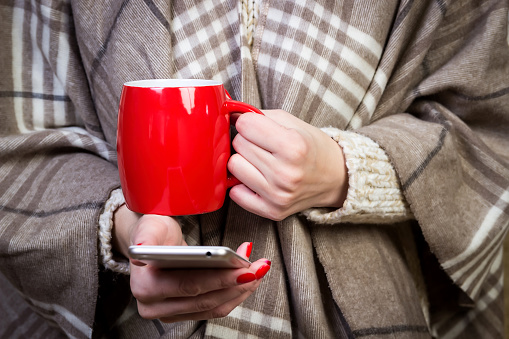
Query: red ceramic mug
[{"x": 173, "y": 144}]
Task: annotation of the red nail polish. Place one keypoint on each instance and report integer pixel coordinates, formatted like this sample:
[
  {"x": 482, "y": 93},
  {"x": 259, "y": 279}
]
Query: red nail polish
[
  {"x": 262, "y": 271},
  {"x": 268, "y": 262},
  {"x": 246, "y": 278},
  {"x": 139, "y": 244},
  {"x": 249, "y": 249}
]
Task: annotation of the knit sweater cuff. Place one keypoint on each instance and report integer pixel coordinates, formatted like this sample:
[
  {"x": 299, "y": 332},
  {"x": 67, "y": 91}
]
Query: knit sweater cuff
[
  {"x": 374, "y": 193},
  {"x": 105, "y": 226}
]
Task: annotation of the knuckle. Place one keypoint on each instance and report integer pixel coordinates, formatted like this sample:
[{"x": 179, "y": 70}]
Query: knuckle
[
  {"x": 282, "y": 200},
  {"x": 275, "y": 214},
  {"x": 188, "y": 289},
  {"x": 247, "y": 288},
  {"x": 289, "y": 177},
  {"x": 146, "y": 312},
  {"x": 279, "y": 173},
  {"x": 298, "y": 147},
  {"x": 236, "y": 142},
  {"x": 233, "y": 162},
  {"x": 205, "y": 304},
  {"x": 221, "y": 312},
  {"x": 223, "y": 284},
  {"x": 140, "y": 292},
  {"x": 295, "y": 177}
]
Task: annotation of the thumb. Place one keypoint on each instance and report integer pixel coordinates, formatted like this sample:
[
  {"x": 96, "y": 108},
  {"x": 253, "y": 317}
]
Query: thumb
[
  {"x": 156, "y": 230},
  {"x": 244, "y": 250}
]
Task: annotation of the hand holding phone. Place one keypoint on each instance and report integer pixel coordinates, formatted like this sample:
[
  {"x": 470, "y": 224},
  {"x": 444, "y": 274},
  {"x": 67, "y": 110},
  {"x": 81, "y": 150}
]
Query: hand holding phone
[
  {"x": 179, "y": 294},
  {"x": 188, "y": 256}
]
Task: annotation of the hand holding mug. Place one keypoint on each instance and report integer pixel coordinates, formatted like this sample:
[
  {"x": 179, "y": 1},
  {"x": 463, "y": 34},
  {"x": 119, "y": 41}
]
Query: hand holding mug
[{"x": 286, "y": 166}]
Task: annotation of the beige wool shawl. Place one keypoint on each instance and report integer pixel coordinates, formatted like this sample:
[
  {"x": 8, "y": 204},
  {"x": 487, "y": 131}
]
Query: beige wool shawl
[{"x": 428, "y": 81}]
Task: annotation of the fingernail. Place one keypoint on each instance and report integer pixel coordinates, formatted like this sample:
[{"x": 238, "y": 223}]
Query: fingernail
[
  {"x": 139, "y": 244},
  {"x": 249, "y": 249},
  {"x": 246, "y": 278},
  {"x": 268, "y": 262},
  {"x": 262, "y": 271}
]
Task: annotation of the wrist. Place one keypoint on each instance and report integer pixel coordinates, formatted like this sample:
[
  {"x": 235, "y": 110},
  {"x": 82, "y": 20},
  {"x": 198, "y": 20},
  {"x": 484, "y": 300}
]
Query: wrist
[
  {"x": 339, "y": 185},
  {"x": 123, "y": 222}
]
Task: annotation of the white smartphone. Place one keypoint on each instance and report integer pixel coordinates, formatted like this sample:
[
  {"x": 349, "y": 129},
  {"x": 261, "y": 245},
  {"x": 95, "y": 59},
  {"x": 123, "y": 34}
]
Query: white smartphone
[{"x": 188, "y": 256}]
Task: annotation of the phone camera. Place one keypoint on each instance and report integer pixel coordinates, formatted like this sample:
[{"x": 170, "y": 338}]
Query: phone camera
[{"x": 208, "y": 254}]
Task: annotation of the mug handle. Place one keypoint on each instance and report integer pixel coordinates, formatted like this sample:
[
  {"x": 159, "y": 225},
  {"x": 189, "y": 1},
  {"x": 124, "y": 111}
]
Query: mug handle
[{"x": 233, "y": 106}]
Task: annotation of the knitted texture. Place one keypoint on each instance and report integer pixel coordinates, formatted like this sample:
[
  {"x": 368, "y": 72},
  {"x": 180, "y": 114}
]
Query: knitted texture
[
  {"x": 115, "y": 200},
  {"x": 374, "y": 193},
  {"x": 249, "y": 18}
]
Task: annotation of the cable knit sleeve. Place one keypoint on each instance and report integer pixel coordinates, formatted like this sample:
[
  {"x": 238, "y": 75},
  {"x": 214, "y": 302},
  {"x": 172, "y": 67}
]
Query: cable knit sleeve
[
  {"x": 115, "y": 200},
  {"x": 374, "y": 193}
]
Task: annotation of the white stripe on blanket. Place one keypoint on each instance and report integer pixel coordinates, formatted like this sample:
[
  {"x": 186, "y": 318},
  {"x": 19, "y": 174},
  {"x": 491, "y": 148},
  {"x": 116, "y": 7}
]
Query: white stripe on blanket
[
  {"x": 70, "y": 317},
  {"x": 17, "y": 64},
  {"x": 489, "y": 221},
  {"x": 37, "y": 65},
  {"x": 254, "y": 317},
  {"x": 481, "y": 305}
]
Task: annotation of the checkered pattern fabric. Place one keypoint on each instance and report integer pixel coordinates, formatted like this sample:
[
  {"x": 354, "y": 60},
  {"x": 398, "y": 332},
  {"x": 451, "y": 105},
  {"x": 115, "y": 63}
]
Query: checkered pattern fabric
[{"x": 426, "y": 80}]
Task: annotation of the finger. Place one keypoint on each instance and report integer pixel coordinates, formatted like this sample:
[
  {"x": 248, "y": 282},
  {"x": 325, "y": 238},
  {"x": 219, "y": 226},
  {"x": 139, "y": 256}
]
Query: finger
[
  {"x": 248, "y": 174},
  {"x": 218, "y": 312},
  {"x": 199, "y": 304},
  {"x": 255, "y": 155},
  {"x": 244, "y": 250},
  {"x": 256, "y": 203},
  {"x": 262, "y": 131},
  {"x": 217, "y": 302},
  {"x": 261, "y": 267},
  {"x": 284, "y": 118},
  {"x": 149, "y": 284},
  {"x": 153, "y": 284}
]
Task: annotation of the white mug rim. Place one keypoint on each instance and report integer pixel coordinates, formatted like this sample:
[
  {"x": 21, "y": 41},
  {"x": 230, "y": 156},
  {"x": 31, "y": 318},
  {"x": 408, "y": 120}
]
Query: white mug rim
[{"x": 172, "y": 83}]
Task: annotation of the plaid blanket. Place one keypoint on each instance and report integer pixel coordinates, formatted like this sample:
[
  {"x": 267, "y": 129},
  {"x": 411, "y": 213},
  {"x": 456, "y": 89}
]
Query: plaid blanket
[{"x": 427, "y": 80}]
